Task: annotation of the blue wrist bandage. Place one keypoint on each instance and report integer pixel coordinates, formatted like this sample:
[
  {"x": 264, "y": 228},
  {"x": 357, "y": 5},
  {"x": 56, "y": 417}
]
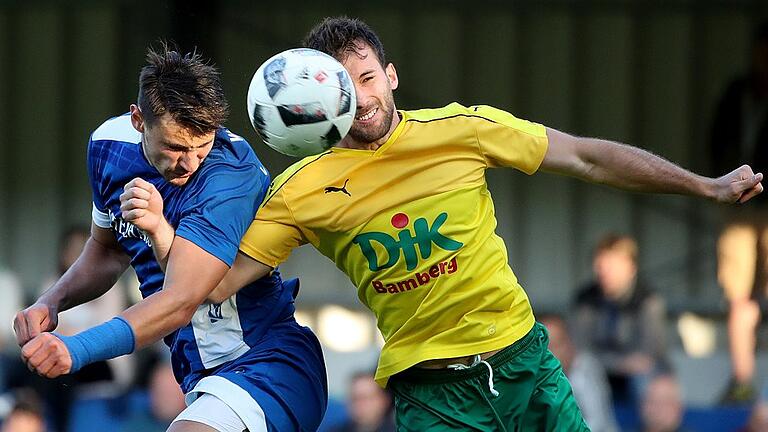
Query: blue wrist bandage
[{"x": 109, "y": 340}]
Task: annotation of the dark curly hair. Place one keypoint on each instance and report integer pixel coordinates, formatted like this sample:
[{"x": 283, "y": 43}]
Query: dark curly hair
[{"x": 340, "y": 36}]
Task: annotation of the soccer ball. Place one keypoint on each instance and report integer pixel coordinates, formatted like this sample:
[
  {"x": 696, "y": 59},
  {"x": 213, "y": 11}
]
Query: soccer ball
[{"x": 301, "y": 102}]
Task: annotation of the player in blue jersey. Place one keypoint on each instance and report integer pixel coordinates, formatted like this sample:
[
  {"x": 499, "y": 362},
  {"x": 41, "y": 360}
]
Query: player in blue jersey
[{"x": 244, "y": 364}]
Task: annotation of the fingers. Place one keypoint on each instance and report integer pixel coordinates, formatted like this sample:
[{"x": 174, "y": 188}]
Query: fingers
[
  {"x": 749, "y": 194},
  {"x": 47, "y": 355},
  {"x": 134, "y": 215},
  {"x": 133, "y": 203},
  {"x": 134, "y": 197},
  {"x": 140, "y": 184},
  {"x": 20, "y": 328},
  {"x": 32, "y": 322},
  {"x": 135, "y": 193},
  {"x": 30, "y": 349}
]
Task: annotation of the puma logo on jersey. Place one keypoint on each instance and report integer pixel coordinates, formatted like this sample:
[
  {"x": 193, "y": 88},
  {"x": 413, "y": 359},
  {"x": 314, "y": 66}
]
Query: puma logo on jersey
[{"x": 343, "y": 189}]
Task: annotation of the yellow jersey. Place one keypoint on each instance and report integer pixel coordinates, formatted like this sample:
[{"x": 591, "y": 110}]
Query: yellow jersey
[{"x": 412, "y": 225}]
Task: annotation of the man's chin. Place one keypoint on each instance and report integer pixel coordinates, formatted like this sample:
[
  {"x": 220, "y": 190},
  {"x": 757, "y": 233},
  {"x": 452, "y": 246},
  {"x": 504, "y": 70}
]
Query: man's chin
[
  {"x": 178, "y": 181},
  {"x": 366, "y": 136}
]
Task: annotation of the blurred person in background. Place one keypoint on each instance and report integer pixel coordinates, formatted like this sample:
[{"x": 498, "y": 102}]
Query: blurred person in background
[
  {"x": 662, "y": 407},
  {"x": 26, "y": 414},
  {"x": 740, "y": 132},
  {"x": 586, "y": 374},
  {"x": 166, "y": 401},
  {"x": 620, "y": 319},
  {"x": 369, "y": 406}
]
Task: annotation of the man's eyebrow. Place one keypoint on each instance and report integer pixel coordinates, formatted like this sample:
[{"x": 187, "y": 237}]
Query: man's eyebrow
[{"x": 176, "y": 146}]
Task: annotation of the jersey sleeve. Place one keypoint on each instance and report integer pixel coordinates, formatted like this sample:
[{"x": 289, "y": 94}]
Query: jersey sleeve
[
  {"x": 273, "y": 234},
  {"x": 507, "y": 141},
  {"x": 221, "y": 208},
  {"x": 96, "y": 160}
]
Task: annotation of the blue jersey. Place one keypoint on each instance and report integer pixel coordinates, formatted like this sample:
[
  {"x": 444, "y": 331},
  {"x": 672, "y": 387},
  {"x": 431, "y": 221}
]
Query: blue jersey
[{"x": 213, "y": 211}]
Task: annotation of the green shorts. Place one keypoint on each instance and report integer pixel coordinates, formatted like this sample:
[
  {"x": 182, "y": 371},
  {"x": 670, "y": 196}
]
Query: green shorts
[{"x": 533, "y": 393}]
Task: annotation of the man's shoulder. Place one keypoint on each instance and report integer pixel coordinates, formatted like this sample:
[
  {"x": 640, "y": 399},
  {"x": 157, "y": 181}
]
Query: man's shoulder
[
  {"x": 300, "y": 173},
  {"x": 426, "y": 115},
  {"x": 117, "y": 129}
]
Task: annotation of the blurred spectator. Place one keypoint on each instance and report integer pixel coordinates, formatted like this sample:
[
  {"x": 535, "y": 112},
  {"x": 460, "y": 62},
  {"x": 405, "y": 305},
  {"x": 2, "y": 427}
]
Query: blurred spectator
[
  {"x": 166, "y": 402},
  {"x": 620, "y": 319},
  {"x": 662, "y": 405},
  {"x": 370, "y": 406},
  {"x": 740, "y": 133},
  {"x": 26, "y": 415},
  {"x": 586, "y": 374}
]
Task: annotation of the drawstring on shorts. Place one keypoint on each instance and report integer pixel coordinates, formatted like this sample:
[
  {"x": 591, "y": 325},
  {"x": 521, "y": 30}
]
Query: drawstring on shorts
[{"x": 475, "y": 362}]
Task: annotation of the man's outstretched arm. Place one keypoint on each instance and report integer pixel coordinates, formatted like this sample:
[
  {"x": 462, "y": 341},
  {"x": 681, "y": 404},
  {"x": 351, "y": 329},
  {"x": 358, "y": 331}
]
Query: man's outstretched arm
[
  {"x": 191, "y": 275},
  {"x": 96, "y": 270},
  {"x": 631, "y": 168}
]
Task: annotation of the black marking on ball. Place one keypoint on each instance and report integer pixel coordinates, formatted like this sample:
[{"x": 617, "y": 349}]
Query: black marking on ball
[
  {"x": 258, "y": 122},
  {"x": 331, "y": 138},
  {"x": 302, "y": 113}
]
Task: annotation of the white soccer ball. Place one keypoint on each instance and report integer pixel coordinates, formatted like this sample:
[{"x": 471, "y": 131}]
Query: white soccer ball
[{"x": 301, "y": 102}]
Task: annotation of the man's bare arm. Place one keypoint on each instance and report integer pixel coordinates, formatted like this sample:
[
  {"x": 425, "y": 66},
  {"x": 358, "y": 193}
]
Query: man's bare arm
[
  {"x": 631, "y": 168},
  {"x": 96, "y": 270}
]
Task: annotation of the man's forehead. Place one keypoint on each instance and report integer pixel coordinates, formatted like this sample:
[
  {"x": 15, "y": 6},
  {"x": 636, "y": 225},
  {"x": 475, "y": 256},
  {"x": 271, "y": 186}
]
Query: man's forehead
[
  {"x": 358, "y": 50},
  {"x": 175, "y": 133}
]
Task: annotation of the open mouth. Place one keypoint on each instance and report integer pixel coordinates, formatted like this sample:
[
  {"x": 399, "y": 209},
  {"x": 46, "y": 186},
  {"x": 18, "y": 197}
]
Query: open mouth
[{"x": 368, "y": 115}]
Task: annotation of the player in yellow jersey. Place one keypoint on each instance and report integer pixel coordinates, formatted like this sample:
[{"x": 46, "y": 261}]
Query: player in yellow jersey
[{"x": 401, "y": 206}]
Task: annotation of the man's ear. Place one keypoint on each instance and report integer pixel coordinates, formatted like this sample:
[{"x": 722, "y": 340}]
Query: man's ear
[
  {"x": 137, "y": 118},
  {"x": 392, "y": 75}
]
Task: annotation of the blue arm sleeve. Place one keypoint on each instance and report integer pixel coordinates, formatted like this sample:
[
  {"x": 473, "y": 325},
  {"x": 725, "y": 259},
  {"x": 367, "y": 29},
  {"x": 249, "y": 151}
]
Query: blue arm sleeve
[{"x": 103, "y": 342}]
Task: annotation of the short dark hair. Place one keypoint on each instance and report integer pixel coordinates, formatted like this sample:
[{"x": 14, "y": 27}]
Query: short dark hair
[
  {"x": 339, "y": 36},
  {"x": 184, "y": 86}
]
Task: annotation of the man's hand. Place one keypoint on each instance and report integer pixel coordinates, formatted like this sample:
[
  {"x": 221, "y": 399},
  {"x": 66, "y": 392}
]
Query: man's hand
[
  {"x": 33, "y": 321},
  {"x": 142, "y": 205},
  {"x": 47, "y": 356},
  {"x": 738, "y": 186}
]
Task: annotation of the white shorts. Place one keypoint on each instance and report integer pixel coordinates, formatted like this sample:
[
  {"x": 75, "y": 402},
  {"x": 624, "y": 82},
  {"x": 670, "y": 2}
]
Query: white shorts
[{"x": 212, "y": 411}]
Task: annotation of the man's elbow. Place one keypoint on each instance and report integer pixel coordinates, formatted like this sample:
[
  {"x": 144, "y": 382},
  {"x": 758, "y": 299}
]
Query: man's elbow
[{"x": 183, "y": 311}]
